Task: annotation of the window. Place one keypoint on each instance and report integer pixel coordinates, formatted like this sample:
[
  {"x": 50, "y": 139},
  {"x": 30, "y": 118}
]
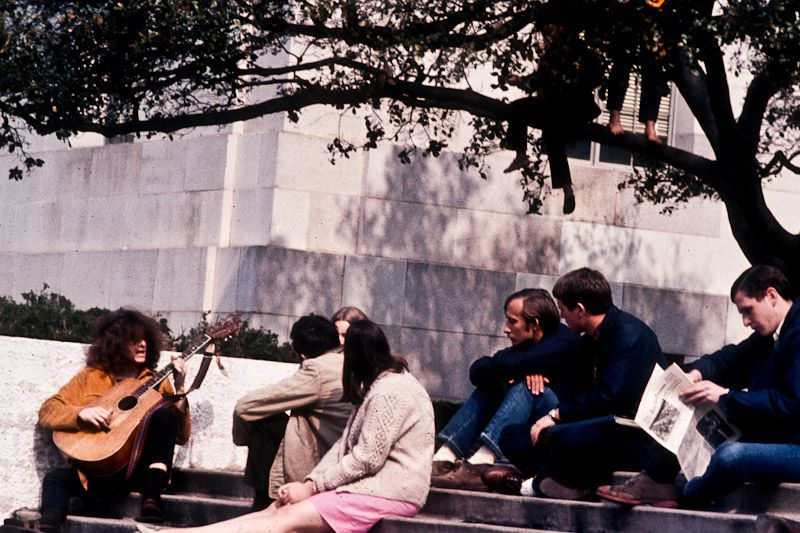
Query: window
[{"x": 594, "y": 153}]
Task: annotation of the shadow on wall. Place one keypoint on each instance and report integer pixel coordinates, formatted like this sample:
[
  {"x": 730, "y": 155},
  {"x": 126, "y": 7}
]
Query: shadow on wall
[
  {"x": 687, "y": 322},
  {"x": 462, "y": 241},
  {"x": 47, "y": 455}
]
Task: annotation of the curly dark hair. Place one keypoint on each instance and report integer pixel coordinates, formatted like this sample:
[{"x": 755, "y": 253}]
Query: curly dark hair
[{"x": 113, "y": 334}]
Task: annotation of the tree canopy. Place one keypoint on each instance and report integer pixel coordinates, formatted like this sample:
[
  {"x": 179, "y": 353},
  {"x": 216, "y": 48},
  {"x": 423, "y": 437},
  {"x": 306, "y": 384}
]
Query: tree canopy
[{"x": 148, "y": 66}]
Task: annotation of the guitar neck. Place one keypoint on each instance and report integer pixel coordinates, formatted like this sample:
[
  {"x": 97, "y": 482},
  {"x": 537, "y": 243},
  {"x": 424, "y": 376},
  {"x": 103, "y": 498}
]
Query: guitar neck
[{"x": 162, "y": 374}]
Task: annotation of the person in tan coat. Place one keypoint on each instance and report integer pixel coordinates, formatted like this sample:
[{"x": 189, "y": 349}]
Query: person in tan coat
[
  {"x": 285, "y": 448},
  {"x": 381, "y": 465},
  {"x": 126, "y": 345}
]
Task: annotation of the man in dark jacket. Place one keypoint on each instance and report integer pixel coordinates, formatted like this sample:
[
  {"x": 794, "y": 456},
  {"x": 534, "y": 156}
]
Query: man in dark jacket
[
  {"x": 578, "y": 444},
  {"x": 510, "y": 388},
  {"x": 756, "y": 383}
]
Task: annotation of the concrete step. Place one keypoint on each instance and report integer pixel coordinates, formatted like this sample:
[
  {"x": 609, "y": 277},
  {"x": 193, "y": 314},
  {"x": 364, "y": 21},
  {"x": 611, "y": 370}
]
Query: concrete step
[
  {"x": 750, "y": 499},
  {"x": 200, "y": 497},
  {"x": 423, "y": 523},
  {"x": 565, "y": 515},
  {"x": 211, "y": 483}
]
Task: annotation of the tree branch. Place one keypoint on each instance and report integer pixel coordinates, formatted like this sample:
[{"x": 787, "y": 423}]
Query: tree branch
[{"x": 759, "y": 92}]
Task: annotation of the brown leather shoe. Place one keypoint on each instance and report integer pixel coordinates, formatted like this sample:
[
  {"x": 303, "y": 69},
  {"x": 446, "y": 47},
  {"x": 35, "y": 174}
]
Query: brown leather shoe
[
  {"x": 548, "y": 487},
  {"x": 441, "y": 468},
  {"x": 465, "y": 476},
  {"x": 641, "y": 490},
  {"x": 503, "y": 479}
]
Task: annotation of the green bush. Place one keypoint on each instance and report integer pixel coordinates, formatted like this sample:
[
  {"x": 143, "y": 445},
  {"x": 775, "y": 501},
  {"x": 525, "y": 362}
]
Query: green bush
[
  {"x": 252, "y": 343},
  {"x": 46, "y": 315},
  {"x": 49, "y": 315}
]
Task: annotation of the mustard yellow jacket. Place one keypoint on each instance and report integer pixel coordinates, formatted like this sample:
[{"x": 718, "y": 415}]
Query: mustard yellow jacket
[{"x": 60, "y": 411}]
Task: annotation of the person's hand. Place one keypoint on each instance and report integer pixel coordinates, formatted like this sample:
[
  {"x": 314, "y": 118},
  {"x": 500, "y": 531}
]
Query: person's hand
[
  {"x": 295, "y": 492},
  {"x": 702, "y": 393},
  {"x": 97, "y": 416},
  {"x": 536, "y": 383},
  {"x": 179, "y": 374},
  {"x": 543, "y": 423},
  {"x": 694, "y": 375}
]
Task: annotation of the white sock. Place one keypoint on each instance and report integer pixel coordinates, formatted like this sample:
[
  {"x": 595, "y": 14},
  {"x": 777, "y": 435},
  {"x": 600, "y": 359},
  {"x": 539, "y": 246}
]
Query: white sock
[
  {"x": 526, "y": 489},
  {"x": 445, "y": 454},
  {"x": 484, "y": 456}
]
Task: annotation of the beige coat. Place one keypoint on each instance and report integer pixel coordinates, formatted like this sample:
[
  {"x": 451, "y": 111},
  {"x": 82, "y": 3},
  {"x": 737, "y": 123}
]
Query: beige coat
[
  {"x": 313, "y": 395},
  {"x": 387, "y": 447}
]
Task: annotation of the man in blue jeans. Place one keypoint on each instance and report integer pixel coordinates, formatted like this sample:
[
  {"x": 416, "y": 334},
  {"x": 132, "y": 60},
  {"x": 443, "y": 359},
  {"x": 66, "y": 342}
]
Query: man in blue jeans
[
  {"x": 756, "y": 383},
  {"x": 510, "y": 388},
  {"x": 576, "y": 446}
]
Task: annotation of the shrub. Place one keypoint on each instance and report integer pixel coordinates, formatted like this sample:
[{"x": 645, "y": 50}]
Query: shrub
[
  {"x": 250, "y": 343},
  {"x": 46, "y": 315},
  {"x": 52, "y": 316}
]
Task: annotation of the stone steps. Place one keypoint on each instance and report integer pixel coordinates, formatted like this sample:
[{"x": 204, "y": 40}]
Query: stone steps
[{"x": 199, "y": 497}]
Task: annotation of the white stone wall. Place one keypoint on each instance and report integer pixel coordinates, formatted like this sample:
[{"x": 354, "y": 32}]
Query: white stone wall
[
  {"x": 254, "y": 218},
  {"x": 36, "y": 369}
]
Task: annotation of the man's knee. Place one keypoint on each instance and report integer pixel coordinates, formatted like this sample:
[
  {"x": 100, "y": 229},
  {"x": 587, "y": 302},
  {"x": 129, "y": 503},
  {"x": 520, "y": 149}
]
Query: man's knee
[{"x": 728, "y": 457}]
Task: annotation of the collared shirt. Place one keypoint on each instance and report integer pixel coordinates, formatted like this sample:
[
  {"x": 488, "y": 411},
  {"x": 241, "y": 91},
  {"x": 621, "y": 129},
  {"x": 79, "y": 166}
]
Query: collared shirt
[{"x": 778, "y": 331}]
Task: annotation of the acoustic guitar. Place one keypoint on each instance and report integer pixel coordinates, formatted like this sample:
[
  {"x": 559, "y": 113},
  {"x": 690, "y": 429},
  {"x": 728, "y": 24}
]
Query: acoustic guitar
[{"x": 102, "y": 452}]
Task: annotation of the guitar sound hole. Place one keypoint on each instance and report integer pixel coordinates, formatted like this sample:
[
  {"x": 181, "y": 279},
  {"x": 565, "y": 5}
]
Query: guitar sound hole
[{"x": 127, "y": 403}]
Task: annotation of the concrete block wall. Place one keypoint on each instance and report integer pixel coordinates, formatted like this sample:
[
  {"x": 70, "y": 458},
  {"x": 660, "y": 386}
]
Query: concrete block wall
[
  {"x": 254, "y": 218},
  {"x": 27, "y": 452}
]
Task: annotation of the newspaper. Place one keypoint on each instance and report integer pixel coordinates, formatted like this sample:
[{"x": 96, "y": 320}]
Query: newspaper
[{"x": 691, "y": 433}]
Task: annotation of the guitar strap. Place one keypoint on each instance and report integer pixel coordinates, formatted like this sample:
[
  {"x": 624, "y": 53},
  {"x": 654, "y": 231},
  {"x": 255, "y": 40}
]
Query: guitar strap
[
  {"x": 144, "y": 425},
  {"x": 201, "y": 375}
]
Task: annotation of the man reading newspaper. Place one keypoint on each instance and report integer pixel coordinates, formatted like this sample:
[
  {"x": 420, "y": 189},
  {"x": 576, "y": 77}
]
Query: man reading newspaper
[{"x": 756, "y": 386}]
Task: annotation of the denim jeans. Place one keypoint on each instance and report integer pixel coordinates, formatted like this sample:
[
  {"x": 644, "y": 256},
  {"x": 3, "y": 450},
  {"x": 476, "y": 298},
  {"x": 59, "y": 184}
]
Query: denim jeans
[
  {"x": 737, "y": 462},
  {"x": 488, "y": 411}
]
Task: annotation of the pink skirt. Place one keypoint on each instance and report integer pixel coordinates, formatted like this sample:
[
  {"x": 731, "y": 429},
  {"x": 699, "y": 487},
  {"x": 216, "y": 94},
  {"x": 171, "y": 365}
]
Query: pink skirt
[{"x": 347, "y": 512}]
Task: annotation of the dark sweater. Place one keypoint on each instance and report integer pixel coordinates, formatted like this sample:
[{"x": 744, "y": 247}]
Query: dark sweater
[
  {"x": 556, "y": 356},
  {"x": 622, "y": 357},
  {"x": 769, "y": 410}
]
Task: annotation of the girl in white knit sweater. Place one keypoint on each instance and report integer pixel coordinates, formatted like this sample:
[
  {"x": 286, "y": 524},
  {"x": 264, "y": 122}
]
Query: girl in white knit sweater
[{"x": 380, "y": 466}]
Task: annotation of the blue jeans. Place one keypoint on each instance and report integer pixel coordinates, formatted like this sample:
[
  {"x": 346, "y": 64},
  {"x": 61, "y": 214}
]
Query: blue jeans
[
  {"x": 488, "y": 411},
  {"x": 737, "y": 462}
]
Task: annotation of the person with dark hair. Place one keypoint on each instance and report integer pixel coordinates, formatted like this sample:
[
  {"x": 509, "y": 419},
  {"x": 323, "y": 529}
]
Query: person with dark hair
[
  {"x": 345, "y": 316},
  {"x": 127, "y": 344},
  {"x": 509, "y": 389},
  {"x": 577, "y": 445},
  {"x": 285, "y": 448},
  {"x": 756, "y": 384},
  {"x": 381, "y": 464}
]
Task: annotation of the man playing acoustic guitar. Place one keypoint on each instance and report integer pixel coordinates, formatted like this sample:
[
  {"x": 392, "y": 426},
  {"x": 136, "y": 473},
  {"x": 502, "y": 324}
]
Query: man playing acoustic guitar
[{"x": 126, "y": 345}]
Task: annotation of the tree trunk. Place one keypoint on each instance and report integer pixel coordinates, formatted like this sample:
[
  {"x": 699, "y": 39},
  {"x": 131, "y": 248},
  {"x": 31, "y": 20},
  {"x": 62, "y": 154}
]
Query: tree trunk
[{"x": 761, "y": 237}]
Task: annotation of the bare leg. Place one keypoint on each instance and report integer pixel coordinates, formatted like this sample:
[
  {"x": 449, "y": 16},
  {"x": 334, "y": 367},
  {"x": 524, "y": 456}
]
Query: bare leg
[
  {"x": 301, "y": 517},
  {"x": 650, "y": 132},
  {"x": 615, "y": 122}
]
